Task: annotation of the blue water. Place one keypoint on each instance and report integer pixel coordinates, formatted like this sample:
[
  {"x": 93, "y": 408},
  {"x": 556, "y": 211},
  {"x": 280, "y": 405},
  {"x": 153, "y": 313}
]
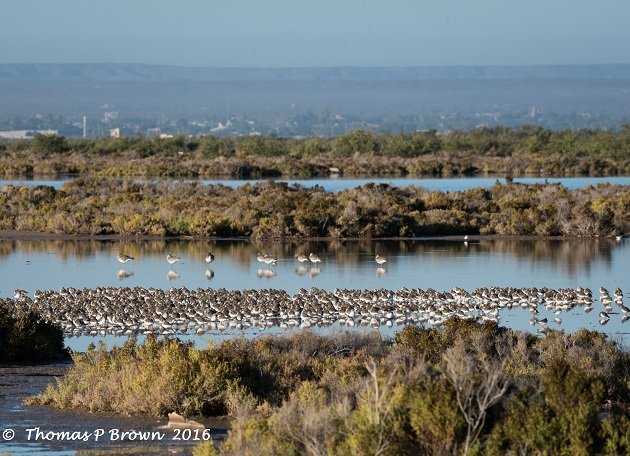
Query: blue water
[
  {"x": 338, "y": 184},
  {"x": 437, "y": 264}
]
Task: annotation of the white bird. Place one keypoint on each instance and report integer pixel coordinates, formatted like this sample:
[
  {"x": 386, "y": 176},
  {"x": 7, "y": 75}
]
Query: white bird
[
  {"x": 301, "y": 258},
  {"x": 123, "y": 258},
  {"x": 20, "y": 293},
  {"x": 172, "y": 259},
  {"x": 268, "y": 259},
  {"x": 314, "y": 258},
  {"x": 209, "y": 257},
  {"x": 380, "y": 260}
]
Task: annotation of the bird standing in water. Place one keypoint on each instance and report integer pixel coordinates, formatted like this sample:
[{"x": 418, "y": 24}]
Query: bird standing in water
[
  {"x": 172, "y": 259},
  {"x": 314, "y": 258},
  {"x": 124, "y": 258}
]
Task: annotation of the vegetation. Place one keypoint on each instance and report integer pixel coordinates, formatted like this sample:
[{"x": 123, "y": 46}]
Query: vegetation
[
  {"x": 26, "y": 339},
  {"x": 276, "y": 210},
  {"x": 468, "y": 388},
  {"x": 529, "y": 150}
]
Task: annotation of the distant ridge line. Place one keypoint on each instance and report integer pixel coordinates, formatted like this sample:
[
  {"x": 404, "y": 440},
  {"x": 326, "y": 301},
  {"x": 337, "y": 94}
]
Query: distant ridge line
[{"x": 115, "y": 72}]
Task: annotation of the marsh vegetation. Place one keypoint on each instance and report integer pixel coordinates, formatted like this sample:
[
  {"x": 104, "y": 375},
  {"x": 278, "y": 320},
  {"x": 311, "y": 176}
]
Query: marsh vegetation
[
  {"x": 276, "y": 210},
  {"x": 467, "y": 388},
  {"x": 25, "y": 338},
  {"x": 528, "y": 150}
]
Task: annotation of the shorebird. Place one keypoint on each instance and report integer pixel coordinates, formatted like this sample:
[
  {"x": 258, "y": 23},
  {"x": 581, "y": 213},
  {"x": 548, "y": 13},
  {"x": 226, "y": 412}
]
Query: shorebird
[
  {"x": 260, "y": 257},
  {"x": 172, "y": 259},
  {"x": 618, "y": 293},
  {"x": 380, "y": 260},
  {"x": 123, "y": 258},
  {"x": 268, "y": 259},
  {"x": 619, "y": 237},
  {"x": 314, "y": 258},
  {"x": 301, "y": 258},
  {"x": 209, "y": 257},
  {"x": 20, "y": 293}
]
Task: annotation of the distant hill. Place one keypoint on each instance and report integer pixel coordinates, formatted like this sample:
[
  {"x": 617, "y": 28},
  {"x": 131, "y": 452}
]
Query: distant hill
[{"x": 106, "y": 72}]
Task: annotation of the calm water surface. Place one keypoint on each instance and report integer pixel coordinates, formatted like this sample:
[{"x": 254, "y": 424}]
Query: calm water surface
[
  {"x": 338, "y": 184},
  {"x": 441, "y": 265}
]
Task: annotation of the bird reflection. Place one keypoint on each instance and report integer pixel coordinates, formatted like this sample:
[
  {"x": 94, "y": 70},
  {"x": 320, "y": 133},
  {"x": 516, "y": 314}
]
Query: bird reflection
[
  {"x": 380, "y": 271},
  {"x": 300, "y": 270},
  {"x": 314, "y": 272},
  {"x": 172, "y": 275},
  {"x": 265, "y": 273},
  {"x": 209, "y": 274},
  {"x": 123, "y": 274}
]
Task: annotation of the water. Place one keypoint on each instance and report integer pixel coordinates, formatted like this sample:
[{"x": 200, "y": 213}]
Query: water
[
  {"x": 438, "y": 264},
  {"x": 338, "y": 184}
]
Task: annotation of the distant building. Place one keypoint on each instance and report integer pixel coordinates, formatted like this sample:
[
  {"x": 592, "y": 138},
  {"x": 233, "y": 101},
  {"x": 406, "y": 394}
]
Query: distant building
[
  {"x": 110, "y": 115},
  {"x": 25, "y": 134},
  {"x": 114, "y": 133},
  {"x": 221, "y": 127}
]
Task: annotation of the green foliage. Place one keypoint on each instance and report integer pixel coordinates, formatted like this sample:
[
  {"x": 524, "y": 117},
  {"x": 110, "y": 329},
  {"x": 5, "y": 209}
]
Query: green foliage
[
  {"x": 437, "y": 423},
  {"x": 26, "y": 338},
  {"x": 491, "y": 151},
  {"x": 205, "y": 449},
  {"x": 49, "y": 144},
  {"x": 347, "y": 393},
  {"x": 276, "y": 210}
]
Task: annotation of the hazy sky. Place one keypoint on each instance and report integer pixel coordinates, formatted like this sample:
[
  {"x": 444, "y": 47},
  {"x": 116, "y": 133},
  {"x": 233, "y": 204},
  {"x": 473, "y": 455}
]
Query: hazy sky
[{"x": 285, "y": 33}]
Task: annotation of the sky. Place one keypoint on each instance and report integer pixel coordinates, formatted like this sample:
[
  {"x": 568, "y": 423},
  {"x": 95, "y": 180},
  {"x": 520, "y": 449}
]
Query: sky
[{"x": 315, "y": 33}]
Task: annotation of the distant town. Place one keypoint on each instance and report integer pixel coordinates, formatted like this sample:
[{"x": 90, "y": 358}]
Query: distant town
[{"x": 96, "y": 101}]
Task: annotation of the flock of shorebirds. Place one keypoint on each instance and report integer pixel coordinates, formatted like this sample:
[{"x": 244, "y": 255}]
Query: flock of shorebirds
[
  {"x": 265, "y": 259},
  {"x": 126, "y": 310}
]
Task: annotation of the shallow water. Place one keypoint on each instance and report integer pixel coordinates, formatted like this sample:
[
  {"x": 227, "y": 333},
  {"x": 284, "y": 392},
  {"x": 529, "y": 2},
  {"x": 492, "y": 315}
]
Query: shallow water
[
  {"x": 36, "y": 429},
  {"x": 437, "y": 264},
  {"x": 337, "y": 184}
]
